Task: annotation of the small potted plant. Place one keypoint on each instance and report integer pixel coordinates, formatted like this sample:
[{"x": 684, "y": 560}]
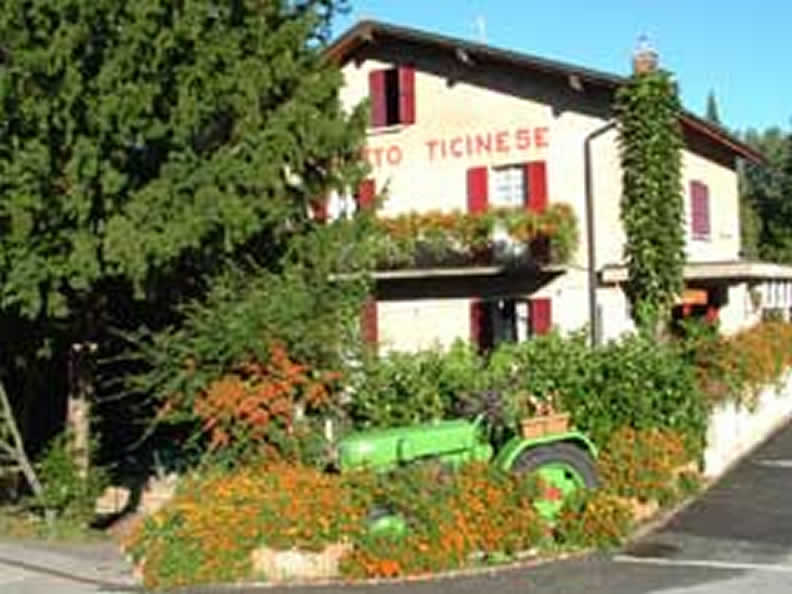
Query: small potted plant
[{"x": 540, "y": 416}]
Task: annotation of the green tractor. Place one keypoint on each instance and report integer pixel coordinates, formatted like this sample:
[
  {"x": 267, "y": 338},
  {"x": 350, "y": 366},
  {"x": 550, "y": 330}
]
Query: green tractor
[{"x": 562, "y": 460}]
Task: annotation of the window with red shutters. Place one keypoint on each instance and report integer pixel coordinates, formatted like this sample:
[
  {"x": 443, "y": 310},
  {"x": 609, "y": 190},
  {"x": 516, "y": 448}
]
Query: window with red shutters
[
  {"x": 392, "y": 95},
  {"x": 541, "y": 314},
  {"x": 699, "y": 210},
  {"x": 536, "y": 186},
  {"x": 406, "y": 95},
  {"x": 377, "y": 97},
  {"x": 476, "y": 322},
  {"x": 477, "y": 189},
  {"x": 366, "y": 192}
]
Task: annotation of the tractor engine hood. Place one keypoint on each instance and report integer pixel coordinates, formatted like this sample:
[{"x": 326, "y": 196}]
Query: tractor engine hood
[{"x": 380, "y": 449}]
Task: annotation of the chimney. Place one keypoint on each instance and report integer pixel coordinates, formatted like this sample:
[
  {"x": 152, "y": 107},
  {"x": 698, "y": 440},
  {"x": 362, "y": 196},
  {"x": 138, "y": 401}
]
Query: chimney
[{"x": 645, "y": 58}]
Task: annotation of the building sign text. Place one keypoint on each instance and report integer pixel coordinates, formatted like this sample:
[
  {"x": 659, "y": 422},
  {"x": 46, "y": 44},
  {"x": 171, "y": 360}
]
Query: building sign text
[{"x": 497, "y": 142}]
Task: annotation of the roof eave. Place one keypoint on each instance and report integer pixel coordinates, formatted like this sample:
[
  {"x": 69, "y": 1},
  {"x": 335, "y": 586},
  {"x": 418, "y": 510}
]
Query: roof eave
[{"x": 365, "y": 31}]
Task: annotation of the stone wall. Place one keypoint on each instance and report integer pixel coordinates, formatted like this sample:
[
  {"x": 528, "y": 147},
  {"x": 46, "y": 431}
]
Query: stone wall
[{"x": 735, "y": 430}]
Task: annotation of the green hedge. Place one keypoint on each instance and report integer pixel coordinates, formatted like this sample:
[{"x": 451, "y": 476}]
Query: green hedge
[{"x": 636, "y": 382}]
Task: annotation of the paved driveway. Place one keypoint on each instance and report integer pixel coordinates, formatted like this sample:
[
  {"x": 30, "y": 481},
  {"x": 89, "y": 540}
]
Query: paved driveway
[
  {"x": 736, "y": 538},
  {"x": 14, "y": 580}
]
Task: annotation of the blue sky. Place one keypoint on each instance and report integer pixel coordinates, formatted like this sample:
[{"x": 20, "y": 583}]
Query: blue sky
[{"x": 741, "y": 50}]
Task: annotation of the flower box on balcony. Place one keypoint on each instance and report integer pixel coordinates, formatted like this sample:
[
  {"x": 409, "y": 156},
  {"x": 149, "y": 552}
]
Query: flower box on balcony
[{"x": 509, "y": 237}]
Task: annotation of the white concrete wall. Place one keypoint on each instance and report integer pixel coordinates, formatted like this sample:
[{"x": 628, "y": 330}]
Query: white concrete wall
[
  {"x": 723, "y": 242},
  {"x": 740, "y": 311},
  {"x": 408, "y": 165},
  {"x": 615, "y": 313},
  {"x": 420, "y": 324},
  {"x": 735, "y": 430}
]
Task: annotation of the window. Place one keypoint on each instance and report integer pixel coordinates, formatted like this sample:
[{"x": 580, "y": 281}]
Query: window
[
  {"x": 495, "y": 321},
  {"x": 392, "y": 95},
  {"x": 523, "y": 185},
  {"x": 508, "y": 187},
  {"x": 699, "y": 210}
]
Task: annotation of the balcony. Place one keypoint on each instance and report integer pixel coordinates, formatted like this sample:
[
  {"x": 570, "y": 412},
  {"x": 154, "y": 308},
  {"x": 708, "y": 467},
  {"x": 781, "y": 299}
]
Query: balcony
[{"x": 503, "y": 238}]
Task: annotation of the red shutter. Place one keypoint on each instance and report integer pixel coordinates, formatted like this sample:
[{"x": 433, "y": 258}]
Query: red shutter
[
  {"x": 407, "y": 95},
  {"x": 379, "y": 109},
  {"x": 541, "y": 311},
  {"x": 369, "y": 328},
  {"x": 699, "y": 208},
  {"x": 477, "y": 189},
  {"x": 365, "y": 194},
  {"x": 536, "y": 186},
  {"x": 476, "y": 320}
]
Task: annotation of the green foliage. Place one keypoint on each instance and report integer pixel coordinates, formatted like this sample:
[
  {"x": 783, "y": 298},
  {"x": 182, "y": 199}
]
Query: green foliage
[
  {"x": 712, "y": 109},
  {"x": 68, "y": 490},
  {"x": 636, "y": 382},
  {"x": 642, "y": 384},
  {"x": 750, "y": 229},
  {"x": 404, "y": 388},
  {"x": 146, "y": 144},
  {"x": 767, "y": 231},
  {"x": 137, "y": 135},
  {"x": 244, "y": 314},
  {"x": 652, "y": 210}
]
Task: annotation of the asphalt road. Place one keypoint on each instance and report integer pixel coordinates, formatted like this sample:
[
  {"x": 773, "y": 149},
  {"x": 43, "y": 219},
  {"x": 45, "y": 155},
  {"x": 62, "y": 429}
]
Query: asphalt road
[{"x": 736, "y": 538}]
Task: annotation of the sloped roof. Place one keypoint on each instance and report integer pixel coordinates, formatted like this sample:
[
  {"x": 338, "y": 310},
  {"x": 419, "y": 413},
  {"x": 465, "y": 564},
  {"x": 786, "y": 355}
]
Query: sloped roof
[{"x": 368, "y": 31}]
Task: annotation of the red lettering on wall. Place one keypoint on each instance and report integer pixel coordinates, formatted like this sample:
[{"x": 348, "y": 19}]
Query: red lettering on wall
[
  {"x": 483, "y": 143},
  {"x": 540, "y": 137},
  {"x": 394, "y": 155},
  {"x": 431, "y": 145},
  {"x": 456, "y": 148},
  {"x": 501, "y": 142},
  {"x": 377, "y": 160},
  {"x": 523, "y": 139}
]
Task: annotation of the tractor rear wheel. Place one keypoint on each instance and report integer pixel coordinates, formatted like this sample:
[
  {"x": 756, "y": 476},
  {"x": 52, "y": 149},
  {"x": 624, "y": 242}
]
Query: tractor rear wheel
[{"x": 562, "y": 468}]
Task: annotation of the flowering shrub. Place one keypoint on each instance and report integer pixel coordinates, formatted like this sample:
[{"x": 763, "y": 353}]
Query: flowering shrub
[
  {"x": 457, "y": 237},
  {"x": 453, "y": 519},
  {"x": 257, "y": 401},
  {"x": 644, "y": 465},
  {"x": 208, "y": 532},
  {"x": 594, "y": 519},
  {"x": 738, "y": 367}
]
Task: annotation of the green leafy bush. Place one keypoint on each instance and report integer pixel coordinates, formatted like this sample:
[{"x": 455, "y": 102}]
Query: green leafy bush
[
  {"x": 68, "y": 490},
  {"x": 640, "y": 383},
  {"x": 636, "y": 382},
  {"x": 402, "y": 388}
]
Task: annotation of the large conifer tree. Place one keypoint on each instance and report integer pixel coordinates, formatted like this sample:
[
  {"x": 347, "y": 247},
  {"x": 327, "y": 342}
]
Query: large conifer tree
[{"x": 144, "y": 143}]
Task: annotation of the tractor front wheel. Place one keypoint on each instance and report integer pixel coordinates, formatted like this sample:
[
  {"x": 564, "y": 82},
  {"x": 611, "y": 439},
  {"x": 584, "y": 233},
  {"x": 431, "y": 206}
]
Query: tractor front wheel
[{"x": 562, "y": 469}]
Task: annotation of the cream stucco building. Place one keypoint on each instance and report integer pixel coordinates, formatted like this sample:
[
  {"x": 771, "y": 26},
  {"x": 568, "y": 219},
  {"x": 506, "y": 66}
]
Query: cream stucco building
[{"x": 457, "y": 125}]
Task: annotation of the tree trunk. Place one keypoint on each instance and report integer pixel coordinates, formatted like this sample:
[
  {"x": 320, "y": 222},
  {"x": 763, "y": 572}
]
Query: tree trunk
[{"x": 78, "y": 414}]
